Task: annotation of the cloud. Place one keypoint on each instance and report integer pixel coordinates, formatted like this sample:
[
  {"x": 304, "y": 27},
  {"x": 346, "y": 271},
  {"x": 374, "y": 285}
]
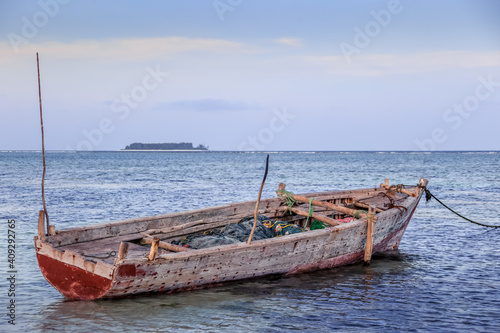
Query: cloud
[
  {"x": 382, "y": 64},
  {"x": 128, "y": 49},
  {"x": 204, "y": 105},
  {"x": 296, "y": 42}
]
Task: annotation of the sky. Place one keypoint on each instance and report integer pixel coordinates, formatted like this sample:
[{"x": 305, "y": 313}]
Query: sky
[{"x": 251, "y": 74}]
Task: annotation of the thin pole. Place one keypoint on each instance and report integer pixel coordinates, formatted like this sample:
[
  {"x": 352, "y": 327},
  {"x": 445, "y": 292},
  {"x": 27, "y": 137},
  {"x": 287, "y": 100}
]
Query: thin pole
[
  {"x": 43, "y": 143},
  {"x": 258, "y": 201},
  {"x": 370, "y": 221}
]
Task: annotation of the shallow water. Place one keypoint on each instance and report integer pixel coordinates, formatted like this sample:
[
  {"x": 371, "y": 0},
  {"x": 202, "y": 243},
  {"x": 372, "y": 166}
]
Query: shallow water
[{"x": 445, "y": 276}]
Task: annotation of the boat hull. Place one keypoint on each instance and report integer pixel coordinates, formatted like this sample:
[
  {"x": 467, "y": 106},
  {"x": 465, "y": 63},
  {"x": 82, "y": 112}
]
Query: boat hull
[
  {"x": 71, "y": 274},
  {"x": 292, "y": 254}
]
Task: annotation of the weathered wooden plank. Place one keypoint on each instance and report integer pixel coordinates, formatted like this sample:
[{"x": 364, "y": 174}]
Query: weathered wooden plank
[
  {"x": 399, "y": 189},
  {"x": 315, "y": 216},
  {"x": 154, "y": 249},
  {"x": 166, "y": 246},
  {"x": 204, "y": 227},
  {"x": 41, "y": 225},
  {"x": 123, "y": 251},
  {"x": 361, "y": 204},
  {"x": 369, "y": 235},
  {"x": 72, "y": 258},
  {"x": 176, "y": 228}
]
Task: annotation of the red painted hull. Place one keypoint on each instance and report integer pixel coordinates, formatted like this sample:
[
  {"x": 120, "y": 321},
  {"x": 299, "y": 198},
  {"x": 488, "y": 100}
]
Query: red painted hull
[{"x": 73, "y": 282}]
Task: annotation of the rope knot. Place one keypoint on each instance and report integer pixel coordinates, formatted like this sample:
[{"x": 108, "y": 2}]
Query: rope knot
[{"x": 290, "y": 202}]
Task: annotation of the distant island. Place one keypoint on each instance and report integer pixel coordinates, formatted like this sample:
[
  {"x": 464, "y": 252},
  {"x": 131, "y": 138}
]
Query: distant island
[{"x": 165, "y": 146}]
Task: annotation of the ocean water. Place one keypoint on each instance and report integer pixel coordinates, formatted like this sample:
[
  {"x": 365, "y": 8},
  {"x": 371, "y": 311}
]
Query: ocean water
[{"x": 444, "y": 278}]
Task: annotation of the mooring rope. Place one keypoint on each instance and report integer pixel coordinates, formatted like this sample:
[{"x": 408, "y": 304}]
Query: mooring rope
[
  {"x": 357, "y": 213},
  {"x": 429, "y": 195},
  {"x": 101, "y": 255}
]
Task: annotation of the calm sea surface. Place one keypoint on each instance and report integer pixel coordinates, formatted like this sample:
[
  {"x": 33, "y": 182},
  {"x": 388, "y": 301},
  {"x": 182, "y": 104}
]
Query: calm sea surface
[{"x": 445, "y": 277}]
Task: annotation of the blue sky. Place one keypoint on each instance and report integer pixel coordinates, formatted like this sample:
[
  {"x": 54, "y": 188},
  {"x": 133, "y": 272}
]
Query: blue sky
[{"x": 252, "y": 75}]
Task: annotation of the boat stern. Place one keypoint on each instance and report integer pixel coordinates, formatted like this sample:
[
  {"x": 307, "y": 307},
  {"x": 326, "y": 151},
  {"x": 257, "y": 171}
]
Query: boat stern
[{"x": 72, "y": 275}]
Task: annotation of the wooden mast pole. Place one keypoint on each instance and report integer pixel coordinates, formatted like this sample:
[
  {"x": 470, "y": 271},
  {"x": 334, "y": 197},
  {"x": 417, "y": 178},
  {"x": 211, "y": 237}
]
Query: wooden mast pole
[
  {"x": 258, "y": 201},
  {"x": 43, "y": 144}
]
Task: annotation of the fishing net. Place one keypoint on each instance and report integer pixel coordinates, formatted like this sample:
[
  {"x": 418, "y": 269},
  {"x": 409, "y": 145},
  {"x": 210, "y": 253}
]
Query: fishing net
[
  {"x": 239, "y": 232},
  {"x": 280, "y": 228},
  {"x": 318, "y": 225}
]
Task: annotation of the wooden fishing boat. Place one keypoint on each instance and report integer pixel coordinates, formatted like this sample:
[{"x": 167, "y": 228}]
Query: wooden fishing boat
[{"x": 136, "y": 256}]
